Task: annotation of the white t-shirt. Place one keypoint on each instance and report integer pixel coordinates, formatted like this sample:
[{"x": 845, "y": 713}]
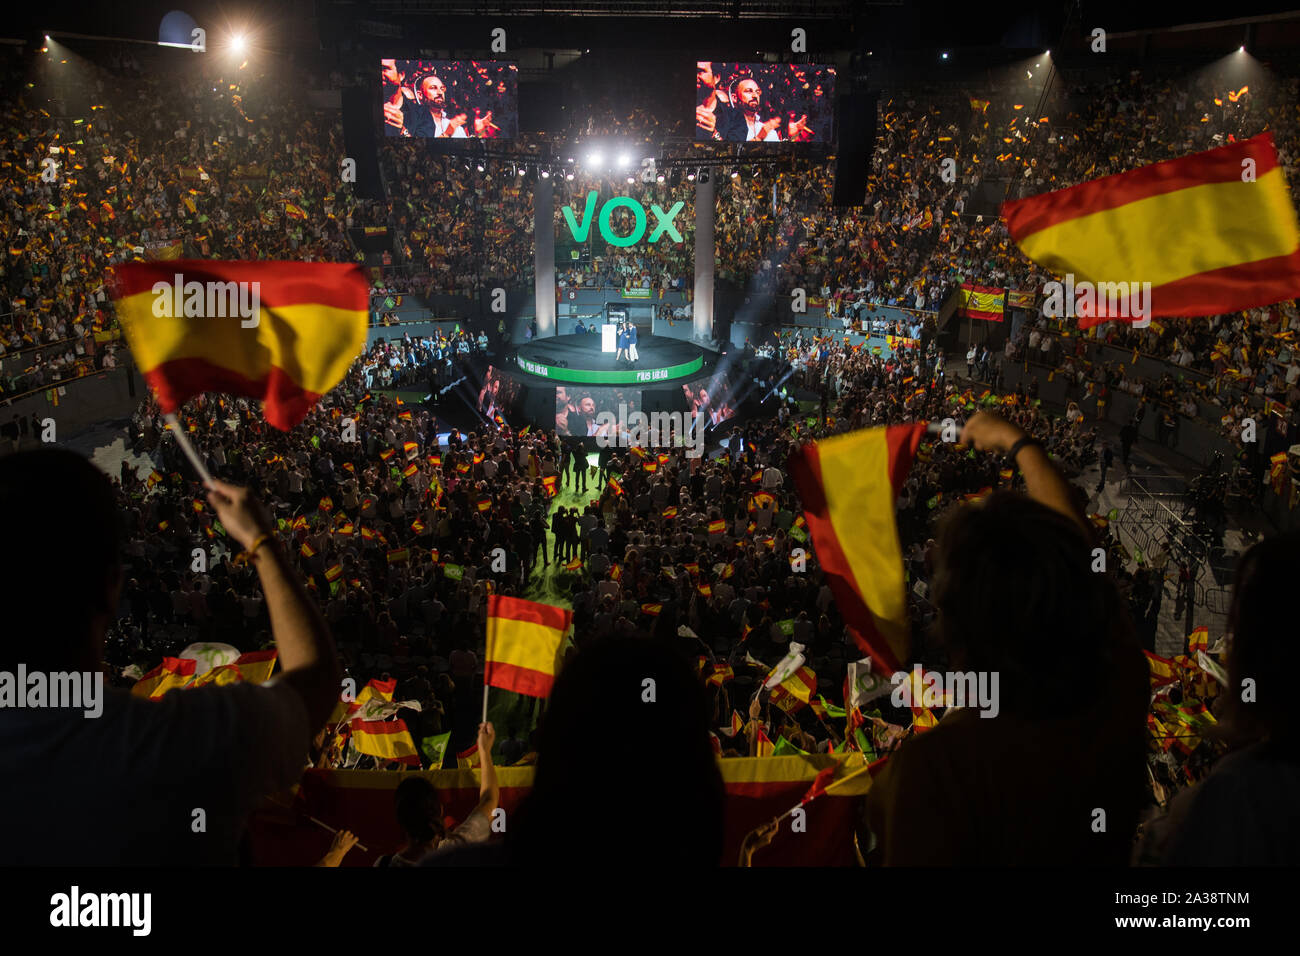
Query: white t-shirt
[{"x": 122, "y": 789}]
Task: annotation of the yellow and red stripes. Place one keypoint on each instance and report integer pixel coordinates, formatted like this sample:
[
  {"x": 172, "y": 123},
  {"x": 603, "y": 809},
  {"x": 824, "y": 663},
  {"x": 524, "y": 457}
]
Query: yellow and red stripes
[
  {"x": 524, "y": 639},
  {"x": 1206, "y": 235},
  {"x": 311, "y": 324},
  {"x": 849, "y": 484}
]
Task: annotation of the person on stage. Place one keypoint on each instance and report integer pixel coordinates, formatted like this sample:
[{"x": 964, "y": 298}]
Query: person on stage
[
  {"x": 633, "y": 356},
  {"x": 621, "y": 354}
]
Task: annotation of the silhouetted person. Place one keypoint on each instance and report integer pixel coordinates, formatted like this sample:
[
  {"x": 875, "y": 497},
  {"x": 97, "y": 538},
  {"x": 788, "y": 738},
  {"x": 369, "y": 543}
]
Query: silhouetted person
[
  {"x": 420, "y": 813},
  {"x": 591, "y": 807},
  {"x": 219, "y": 749},
  {"x": 1024, "y": 786},
  {"x": 1244, "y": 812}
]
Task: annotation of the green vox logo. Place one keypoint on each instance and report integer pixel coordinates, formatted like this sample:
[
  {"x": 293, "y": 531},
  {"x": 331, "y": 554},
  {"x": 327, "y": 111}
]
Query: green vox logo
[{"x": 664, "y": 221}]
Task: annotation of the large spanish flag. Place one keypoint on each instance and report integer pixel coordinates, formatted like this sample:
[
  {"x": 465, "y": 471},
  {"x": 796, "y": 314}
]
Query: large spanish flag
[
  {"x": 386, "y": 739},
  {"x": 523, "y": 644},
  {"x": 982, "y": 302},
  {"x": 284, "y": 332},
  {"x": 849, "y": 484},
  {"x": 1213, "y": 232}
]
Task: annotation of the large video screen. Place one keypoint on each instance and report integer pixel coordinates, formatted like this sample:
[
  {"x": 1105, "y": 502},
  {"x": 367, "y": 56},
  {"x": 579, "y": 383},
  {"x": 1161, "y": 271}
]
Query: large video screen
[
  {"x": 712, "y": 399},
  {"x": 578, "y": 410},
  {"x": 450, "y": 99},
  {"x": 764, "y": 102},
  {"x": 499, "y": 395}
]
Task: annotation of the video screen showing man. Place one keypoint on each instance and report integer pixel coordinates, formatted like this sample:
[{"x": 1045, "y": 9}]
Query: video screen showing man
[
  {"x": 498, "y": 395},
  {"x": 711, "y": 401},
  {"x": 578, "y": 411},
  {"x": 450, "y": 99},
  {"x": 764, "y": 102}
]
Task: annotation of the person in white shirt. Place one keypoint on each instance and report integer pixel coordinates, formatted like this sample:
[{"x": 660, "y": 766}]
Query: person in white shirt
[
  {"x": 750, "y": 97},
  {"x": 432, "y": 94}
]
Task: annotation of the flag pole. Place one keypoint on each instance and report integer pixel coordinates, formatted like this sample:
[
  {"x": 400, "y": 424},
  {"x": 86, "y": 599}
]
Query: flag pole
[
  {"x": 361, "y": 846},
  {"x": 183, "y": 441},
  {"x": 485, "y": 698}
]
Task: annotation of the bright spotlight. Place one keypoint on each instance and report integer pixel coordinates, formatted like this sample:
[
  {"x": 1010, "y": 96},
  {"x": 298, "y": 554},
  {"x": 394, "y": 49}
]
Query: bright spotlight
[
  {"x": 734, "y": 174},
  {"x": 595, "y": 160},
  {"x": 238, "y": 44},
  {"x": 943, "y": 56},
  {"x": 569, "y": 177},
  {"x": 479, "y": 167},
  {"x": 546, "y": 174},
  {"x": 690, "y": 177},
  {"x": 1242, "y": 48},
  {"x": 624, "y": 160},
  {"x": 631, "y": 179},
  {"x": 659, "y": 178}
]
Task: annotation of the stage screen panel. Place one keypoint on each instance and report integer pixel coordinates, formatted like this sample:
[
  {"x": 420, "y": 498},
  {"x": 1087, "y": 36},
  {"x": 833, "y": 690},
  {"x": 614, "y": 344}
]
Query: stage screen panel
[
  {"x": 764, "y": 102},
  {"x": 713, "y": 399},
  {"x": 450, "y": 99},
  {"x": 499, "y": 395},
  {"x": 578, "y": 410}
]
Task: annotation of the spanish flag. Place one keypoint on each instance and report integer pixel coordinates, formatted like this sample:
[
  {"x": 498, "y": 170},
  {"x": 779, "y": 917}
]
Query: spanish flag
[
  {"x": 763, "y": 744},
  {"x": 523, "y": 645},
  {"x": 468, "y": 759},
  {"x": 849, "y": 484},
  {"x": 982, "y": 302},
  {"x": 186, "y": 324},
  {"x": 254, "y": 667},
  {"x": 386, "y": 739},
  {"x": 1213, "y": 232},
  {"x": 1162, "y": 670},
  {"x": 172, "y": 673},
  {"x": 794, "y": 693}
]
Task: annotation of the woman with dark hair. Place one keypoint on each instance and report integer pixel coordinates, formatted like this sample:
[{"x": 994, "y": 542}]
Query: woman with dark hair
[
  {"x": 1039, "y": 774},
  {"x": 586, "y": 809},
  {"x": 420, "y": 813},
  {"x": 1244, "y": 813}
]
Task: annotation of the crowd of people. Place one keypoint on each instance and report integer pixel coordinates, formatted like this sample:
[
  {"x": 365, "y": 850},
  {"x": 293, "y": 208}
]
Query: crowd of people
[{"x": 687, "y": 561}]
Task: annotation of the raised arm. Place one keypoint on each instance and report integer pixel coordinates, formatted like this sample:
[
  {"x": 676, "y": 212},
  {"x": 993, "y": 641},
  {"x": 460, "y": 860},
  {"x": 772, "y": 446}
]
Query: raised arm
[
  {"x": 1043, "y": 480},
  {"x": 308, "y": 660}
]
